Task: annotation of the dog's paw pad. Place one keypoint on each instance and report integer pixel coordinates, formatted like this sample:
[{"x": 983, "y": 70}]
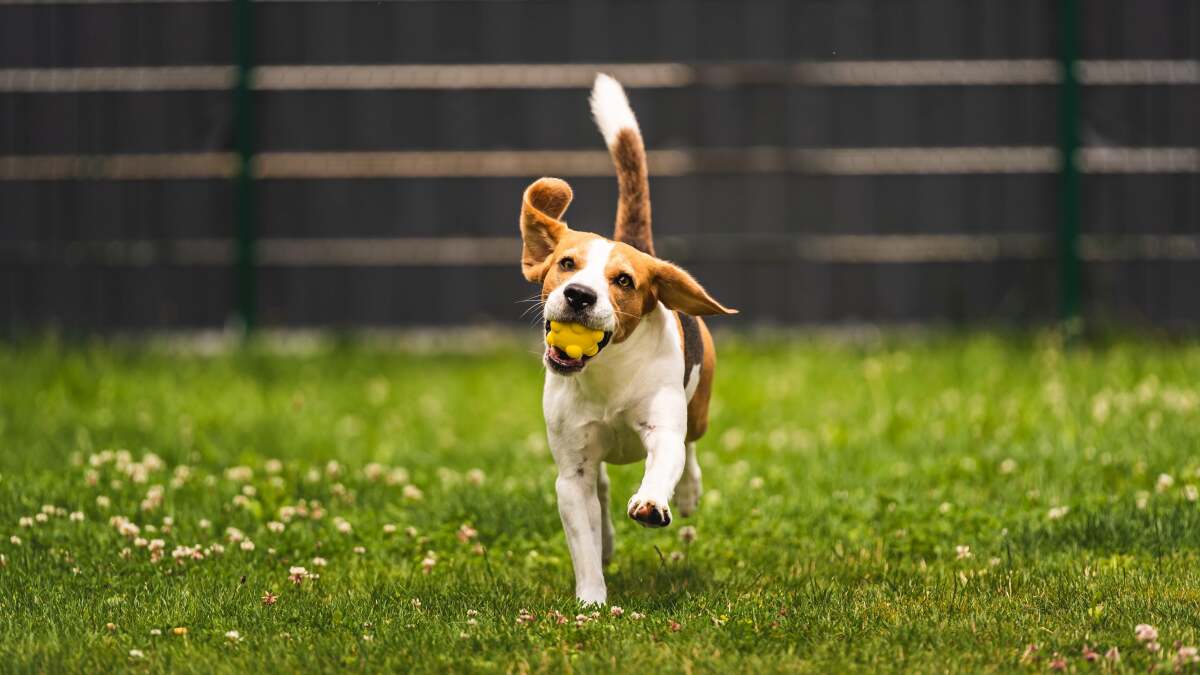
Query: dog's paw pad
[{"x": 650, "y": 513}]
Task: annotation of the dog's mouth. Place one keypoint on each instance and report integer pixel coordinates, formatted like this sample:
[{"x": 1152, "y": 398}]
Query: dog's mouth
[{"x": 560, "y": 362}]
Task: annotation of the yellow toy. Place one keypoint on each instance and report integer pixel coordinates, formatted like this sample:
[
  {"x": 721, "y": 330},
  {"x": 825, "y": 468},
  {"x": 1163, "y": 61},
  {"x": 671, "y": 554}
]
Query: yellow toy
[{"x": 574, "y": 339}]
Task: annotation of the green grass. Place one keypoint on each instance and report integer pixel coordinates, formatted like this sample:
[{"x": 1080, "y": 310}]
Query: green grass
[{"x": 840, "y": 479}]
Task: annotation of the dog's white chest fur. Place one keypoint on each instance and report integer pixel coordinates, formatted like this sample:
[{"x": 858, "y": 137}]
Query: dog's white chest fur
[{"x": 638, "y": 385}]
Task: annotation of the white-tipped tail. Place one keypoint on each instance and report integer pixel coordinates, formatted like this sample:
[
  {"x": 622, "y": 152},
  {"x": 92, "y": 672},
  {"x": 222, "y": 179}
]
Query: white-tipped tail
[{"x": 611, "y": 109}]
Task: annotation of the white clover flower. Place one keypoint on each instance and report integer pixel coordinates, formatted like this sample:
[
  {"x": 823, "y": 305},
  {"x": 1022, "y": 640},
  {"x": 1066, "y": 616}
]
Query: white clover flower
[
  {"x": 1164, "y": 482},
  {"x": 239, "y": 474},
  {"x": 319, "y": 562},
  {"x": 687, "y": 534},
  {"x": 757, "y": 483},
  {"x": 234, "y": 535},
  {"x": 413, "y": 493},
  {"x": 204, "y": 524},
  {"x": 136, "y": 654},
  {"x": 389, "y": 529},
  {"x": 273, "y": 466},
  {"x": 276, "y": 526},
  {"x": 233, "y": 636},
  {"x": 1058, "y": 512},
  {"x": 25, "y": 521},
  {"x": 247, "y": 545},
  {"x": 962, "y": 552},
  {"x": 103, "y": 502},
  {"x": 1144, "y": 632},
  {"x": 476, "y": 477},
  {"x": 343, "y": 525},
  {"x": 1190, "y": 493}
]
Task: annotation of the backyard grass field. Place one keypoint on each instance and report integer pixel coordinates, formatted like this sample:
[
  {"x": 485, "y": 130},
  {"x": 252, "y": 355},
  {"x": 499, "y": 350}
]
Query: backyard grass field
[{"x": 928, "y": 503}]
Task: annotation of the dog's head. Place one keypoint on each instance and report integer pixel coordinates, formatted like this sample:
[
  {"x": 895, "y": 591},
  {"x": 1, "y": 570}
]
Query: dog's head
[{"x": 597, "y": 282}]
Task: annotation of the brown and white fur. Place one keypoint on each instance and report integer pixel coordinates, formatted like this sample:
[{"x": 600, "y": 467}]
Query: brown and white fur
[{"x": 645, "y": 394}]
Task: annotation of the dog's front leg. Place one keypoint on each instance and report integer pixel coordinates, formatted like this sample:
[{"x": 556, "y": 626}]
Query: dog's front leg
[
  {"x": 579, "y": 508},
  {"x": 662, "y": 428}
]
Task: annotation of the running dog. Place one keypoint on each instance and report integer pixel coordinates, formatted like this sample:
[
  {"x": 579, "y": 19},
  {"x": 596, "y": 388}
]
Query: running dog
[{"x": 644, "y": 395}]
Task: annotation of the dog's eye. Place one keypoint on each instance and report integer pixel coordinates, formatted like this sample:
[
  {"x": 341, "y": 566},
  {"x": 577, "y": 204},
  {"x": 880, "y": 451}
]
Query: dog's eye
[
  {"x": 623, "y": 280},
  {"x": 567, "y": 263}
]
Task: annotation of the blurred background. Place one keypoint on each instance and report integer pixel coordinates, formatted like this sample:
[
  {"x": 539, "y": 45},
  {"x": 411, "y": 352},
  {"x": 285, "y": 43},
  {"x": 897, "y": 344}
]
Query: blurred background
[{"x": 199, "y": 164}]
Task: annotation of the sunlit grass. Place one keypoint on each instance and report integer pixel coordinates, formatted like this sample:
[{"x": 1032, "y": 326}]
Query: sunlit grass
[{"x": 933, "y": 503}]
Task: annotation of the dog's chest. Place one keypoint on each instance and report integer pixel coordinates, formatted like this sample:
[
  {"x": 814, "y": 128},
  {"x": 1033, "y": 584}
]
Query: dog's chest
[{"x": 621, "y": 443}]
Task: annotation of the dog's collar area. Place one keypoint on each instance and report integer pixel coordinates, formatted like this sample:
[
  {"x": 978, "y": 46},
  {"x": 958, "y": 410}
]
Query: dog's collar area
[{"x": 558, "y": 360}]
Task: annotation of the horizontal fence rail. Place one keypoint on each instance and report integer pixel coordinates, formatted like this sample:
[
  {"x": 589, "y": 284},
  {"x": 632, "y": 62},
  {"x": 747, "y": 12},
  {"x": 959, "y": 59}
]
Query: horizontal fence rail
[
  {"x": 580, "y": 75},
  {"x": 577, "y": 163},
  {"x": 505, "y": 251}
]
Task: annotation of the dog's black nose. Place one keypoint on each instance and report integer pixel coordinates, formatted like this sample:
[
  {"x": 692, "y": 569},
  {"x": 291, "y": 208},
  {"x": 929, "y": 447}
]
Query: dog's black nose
[{"x": 579, "y": 297}]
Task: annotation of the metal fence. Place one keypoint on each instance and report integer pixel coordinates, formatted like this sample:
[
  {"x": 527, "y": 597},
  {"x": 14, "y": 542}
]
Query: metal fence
[{"x": 343, "y": 163}]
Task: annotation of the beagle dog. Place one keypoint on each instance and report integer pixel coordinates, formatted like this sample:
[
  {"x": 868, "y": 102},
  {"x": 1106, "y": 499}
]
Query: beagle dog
[{"x": 644, "y": 395}]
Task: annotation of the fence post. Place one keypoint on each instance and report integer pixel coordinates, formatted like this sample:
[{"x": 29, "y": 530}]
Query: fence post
[
  {"x": 243, "y": 131},
  {"x": 1068, "y": 143}
]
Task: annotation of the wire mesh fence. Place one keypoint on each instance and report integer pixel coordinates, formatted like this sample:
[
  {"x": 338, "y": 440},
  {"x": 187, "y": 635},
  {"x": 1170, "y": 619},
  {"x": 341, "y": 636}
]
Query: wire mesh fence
[{"x": 810, "y": 161}]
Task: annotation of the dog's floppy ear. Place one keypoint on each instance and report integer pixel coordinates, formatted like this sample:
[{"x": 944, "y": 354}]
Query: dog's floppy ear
[
  {"x": 679, "y": 291},
  {"x": 543, "y": 205}
]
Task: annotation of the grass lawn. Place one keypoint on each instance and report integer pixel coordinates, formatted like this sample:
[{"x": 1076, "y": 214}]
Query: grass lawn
[{"x": 935, "y": 503}]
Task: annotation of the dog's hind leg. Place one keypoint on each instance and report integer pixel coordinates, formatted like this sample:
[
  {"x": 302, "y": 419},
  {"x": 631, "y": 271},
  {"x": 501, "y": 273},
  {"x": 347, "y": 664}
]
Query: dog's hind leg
[
  {"x": 608, "y": 535},
  {"x": 688, "y": 490}
]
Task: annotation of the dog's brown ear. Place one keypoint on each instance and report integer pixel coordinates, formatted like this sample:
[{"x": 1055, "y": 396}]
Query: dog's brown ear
[
  {"x": 543, "y": 205},
  {"x": 679, "y": 291}
]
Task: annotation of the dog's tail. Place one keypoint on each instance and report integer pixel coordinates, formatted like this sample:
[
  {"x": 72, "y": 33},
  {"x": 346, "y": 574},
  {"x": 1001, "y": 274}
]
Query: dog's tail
[{"x": 615, "y": 118}]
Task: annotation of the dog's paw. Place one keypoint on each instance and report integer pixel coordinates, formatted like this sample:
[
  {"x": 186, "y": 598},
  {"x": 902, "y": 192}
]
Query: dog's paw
[
  {"x": 650, "y": 512},
  {"x": 591, "y": 596},
  {"x": 687, "y": 496}
]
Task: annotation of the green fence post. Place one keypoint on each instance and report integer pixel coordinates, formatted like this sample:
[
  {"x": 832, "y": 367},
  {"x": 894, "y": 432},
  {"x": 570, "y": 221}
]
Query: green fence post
[
  {"x": 1068, "y": 143},
  {"x": 243, "y": 129}
]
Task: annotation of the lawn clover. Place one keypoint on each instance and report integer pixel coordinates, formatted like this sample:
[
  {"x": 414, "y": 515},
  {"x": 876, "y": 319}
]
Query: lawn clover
[
  {"x": 1190, "y": 493},
  {"x": 389, "y": 529},
  {"x": 234, "y": 535},
  {"x": 428, "y": 563},
  {"x": 687, "y": 534},
  {"x": 1113, "y": 655},
  {"x": 77, "y": 517},
  {"x": 962, "y": 552},
  {"x": 276, "y": 526},
  {"x": 297, "y": 575},
  {"x": 1144, "y": 632},
  {"x": 319, "y": 562},
  {"x": 342, "y": 525},
  {"x": 1058, "y": 512},
  {"x": 413, "y": 493},
  {"x": 466, "y": 533},
  {"x": 1164, "y": 482},
  {"x": 273, "y": 466},
  {"x": 25, "y": 521},
  {"x": 475, "y": 477},
  {"x": 360, "y": 550},
  {"x": 246, "y": 545},
  {"x": 233, "y": 636},
  {"x": 616, "y": 611},
  {"x": 136, "y": 654},
  {"x": 103, "y": 502},
  {"x": 524, "y": 616}
]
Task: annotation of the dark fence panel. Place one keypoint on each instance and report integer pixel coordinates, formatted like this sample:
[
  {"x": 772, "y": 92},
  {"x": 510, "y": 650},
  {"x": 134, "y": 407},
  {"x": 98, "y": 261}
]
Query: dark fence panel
[{"x": 812, "y": 161}]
